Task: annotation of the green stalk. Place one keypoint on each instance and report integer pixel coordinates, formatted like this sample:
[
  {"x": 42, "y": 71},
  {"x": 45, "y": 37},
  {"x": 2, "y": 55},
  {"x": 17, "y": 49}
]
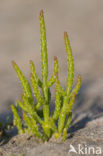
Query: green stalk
[
  {"x": 44, "y": 71},
  {"x": 57, "y": 98},
  {"x": 77, "y": 87},
  {"x": 69, "y": 112},
  {"x": 36, "y": 91},
  {"x": 17, "y": 120},
  {"x": 56, "y": 66},
  {"x": 32, "y": 126},
  {"x": 71, "y": 104},
  {"x": 68, "y": 85},
  {"x": 70, "y": 64},
  {"x": 44, "y": 57},
  {"x": 70, "y": 107},
  {"x": 62, "y": 115},
  {"x": 32, "y": 67},
  {"x": 24, "y": 82},
  {"x": 30, "y": 109},
  {"x": 67, "y": 126}
]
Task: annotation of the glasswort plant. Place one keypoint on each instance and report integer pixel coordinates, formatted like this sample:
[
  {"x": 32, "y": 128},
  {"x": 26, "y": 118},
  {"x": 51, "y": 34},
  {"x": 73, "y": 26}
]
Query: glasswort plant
[{"x": 35, "y": 117}]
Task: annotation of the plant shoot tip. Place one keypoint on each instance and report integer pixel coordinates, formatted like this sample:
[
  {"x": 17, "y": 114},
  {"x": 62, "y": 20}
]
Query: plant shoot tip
[
  {"x": 13, "y": 62},
  {"x": 30, "y": 61},
  {"x": 55, "y": 58},
  {"x": 41, "y": 13},
  {"x": 65, "y": 34}
]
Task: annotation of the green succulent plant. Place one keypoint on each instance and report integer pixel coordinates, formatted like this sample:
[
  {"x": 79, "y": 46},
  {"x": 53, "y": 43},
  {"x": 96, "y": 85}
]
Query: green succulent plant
[{"x": 36, "y": 118}]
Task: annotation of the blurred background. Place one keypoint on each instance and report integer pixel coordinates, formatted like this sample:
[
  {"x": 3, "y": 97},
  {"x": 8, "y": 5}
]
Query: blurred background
[{"x": 20, "y": 41}]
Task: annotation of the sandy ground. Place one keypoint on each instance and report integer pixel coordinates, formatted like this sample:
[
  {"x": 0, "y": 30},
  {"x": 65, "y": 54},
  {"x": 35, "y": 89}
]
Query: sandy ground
[
  {"x": 20, "y": 41},
  {"x": 89, "y": 136}
]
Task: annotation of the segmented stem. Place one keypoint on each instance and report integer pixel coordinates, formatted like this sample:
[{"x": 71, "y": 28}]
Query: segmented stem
[
  {"x": 24, "y": 82},
  {"x": 17, "y": 120},
  {"x": 44, "y": 70},
  {"x": 36, "y": 91},
  {"x": 44, "y": 57},
  {"x": 77, "y": 87},
  {"x": 56, "y": 66},
  {"x": 57, "y": 98},
  {"x": 70, "y": 64},
  {"x": 32, "y": 67},
  {"x": 32, "y": 126},
  {"x": 68, "y": 122}
]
